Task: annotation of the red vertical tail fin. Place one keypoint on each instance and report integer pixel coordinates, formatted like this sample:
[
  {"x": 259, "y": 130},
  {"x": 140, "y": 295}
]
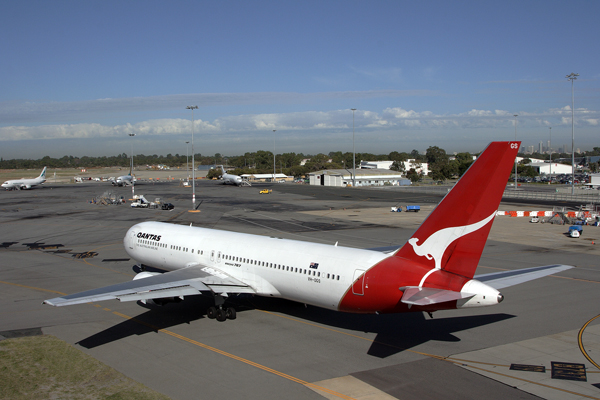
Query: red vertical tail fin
[{"x": 453, "y": 236}]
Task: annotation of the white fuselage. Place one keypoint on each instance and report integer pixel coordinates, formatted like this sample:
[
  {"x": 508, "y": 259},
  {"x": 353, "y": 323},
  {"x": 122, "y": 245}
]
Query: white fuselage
[
  {"x": 124, "y": 180},
  {"x": 310, "y": 273},
  {"x": 232, "y": 179},
  {"x": 23, "y": 183}
]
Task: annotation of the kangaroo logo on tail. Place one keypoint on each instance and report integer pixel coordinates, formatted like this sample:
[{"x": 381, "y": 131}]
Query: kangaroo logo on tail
[{"x": 435, "y": 246}]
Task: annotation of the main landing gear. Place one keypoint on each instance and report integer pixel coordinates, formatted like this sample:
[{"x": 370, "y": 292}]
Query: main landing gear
[{"x": 219, "y": 312}]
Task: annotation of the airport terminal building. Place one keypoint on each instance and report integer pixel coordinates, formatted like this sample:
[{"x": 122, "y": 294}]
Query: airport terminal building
[{"x": 364, "y": 177}]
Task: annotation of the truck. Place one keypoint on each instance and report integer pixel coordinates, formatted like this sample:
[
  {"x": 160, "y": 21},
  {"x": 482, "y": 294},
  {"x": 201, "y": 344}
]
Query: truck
[{"x": 139, "y": 201}]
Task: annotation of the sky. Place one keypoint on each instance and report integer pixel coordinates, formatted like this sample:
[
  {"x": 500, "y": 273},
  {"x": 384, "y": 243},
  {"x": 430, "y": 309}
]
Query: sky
[{"x": 79, "y": 76}]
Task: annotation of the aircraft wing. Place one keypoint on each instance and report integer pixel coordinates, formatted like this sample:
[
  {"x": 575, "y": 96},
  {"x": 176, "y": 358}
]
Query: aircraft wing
[
  {"x": 187, "y": 281},
  {"x": 499, "y": 280}
]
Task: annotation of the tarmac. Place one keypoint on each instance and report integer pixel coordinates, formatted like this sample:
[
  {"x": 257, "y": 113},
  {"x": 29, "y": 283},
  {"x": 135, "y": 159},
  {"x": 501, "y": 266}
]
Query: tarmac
[{"x": 55, "y": 241}]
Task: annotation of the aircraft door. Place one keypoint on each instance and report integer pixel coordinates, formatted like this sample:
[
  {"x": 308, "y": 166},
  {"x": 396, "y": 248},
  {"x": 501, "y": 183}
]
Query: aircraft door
[
  {"x": 219, "y": 257},
  {"x": 132, "y": 240},
  {"x": 212, "y": 255},
  {"x": 358, "y": 282}
]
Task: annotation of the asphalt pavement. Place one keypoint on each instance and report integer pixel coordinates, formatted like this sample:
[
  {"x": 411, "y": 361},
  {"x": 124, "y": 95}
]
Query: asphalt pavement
[{"x": 55, "y": 240}]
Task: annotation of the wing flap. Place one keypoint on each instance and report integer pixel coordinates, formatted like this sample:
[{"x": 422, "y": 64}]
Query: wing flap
[
  {"x": 182, "y": 282},
  {"x": 160, "y": 293},
  {"x": 420, "y": 296},
  {"x": 499, "y": 280}
]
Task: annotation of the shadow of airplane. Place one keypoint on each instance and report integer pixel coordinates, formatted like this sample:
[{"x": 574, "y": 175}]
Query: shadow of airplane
[
  {"x": 393, "y": 335},
  {"x": 391, "y": 329},
  {"x": 156, "y": 318}
]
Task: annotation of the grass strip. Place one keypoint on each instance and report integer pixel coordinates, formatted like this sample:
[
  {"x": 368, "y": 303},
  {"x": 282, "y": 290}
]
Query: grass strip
[{"x": 44, "y": 367}]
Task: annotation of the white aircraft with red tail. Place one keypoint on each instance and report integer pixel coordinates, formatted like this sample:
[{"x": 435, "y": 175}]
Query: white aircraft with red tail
[{"x": 433, "y": 271}]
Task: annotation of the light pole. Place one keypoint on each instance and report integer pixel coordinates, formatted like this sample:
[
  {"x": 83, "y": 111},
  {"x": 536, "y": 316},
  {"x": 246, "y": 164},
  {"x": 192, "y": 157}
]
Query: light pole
[
  {"x": 572, "y": 78},
  {"x": 274, "y": 130},
  {"x": 550, "y": 151},
  {"x": 516, "y": 115},
  {"x": 131, "y": 169},
  {"x": 353, "y": 152},
  {"x": 193, "y": 163},
  {"x": 187, "y": 160}
]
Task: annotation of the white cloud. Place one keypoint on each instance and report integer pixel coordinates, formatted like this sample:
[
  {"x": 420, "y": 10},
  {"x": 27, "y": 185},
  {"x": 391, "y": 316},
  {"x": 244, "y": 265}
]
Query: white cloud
[{"x": 323, "y": 121}]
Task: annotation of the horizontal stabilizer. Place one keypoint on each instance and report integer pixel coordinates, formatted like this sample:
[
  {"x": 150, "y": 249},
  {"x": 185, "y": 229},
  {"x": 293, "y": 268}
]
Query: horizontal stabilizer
[
  {"x": 386, "y": 249},
  {"x": 499, "y": 280},
  {"x": 420, "y": 296}
]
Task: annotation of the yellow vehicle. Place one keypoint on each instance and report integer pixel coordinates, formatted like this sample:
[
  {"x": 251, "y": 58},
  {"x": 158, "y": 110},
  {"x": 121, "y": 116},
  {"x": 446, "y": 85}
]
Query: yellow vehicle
[{"x": 265, "y": 191}]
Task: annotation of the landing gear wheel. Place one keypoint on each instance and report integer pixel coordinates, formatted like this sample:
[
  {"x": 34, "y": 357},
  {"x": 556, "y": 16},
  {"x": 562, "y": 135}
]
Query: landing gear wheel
[
  {"x": 211, "y": 312},
  {"x": 230, "y": 313},
  {"x": 221, "y": 315}
]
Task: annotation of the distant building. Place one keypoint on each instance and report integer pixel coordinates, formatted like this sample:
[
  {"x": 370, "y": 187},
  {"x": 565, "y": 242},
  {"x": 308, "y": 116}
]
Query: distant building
[
  {"x": 420, "y": 167},
  {"x": 364, "y": 177},
  {"x": 266, "y": 177},
  {"x": 305, "y": 160},
  {"x": 376, "y": 164},
  {"x": 594, "y": 180},
  {"x": 544, "y": 167}
]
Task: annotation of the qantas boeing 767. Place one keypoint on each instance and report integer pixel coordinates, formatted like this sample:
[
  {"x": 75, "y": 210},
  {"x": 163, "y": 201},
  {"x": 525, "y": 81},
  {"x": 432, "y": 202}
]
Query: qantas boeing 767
[{"x": 433, "y": 271}]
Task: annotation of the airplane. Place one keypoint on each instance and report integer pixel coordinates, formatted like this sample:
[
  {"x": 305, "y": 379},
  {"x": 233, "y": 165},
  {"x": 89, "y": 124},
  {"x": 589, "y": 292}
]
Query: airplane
[
  {"x": 19, "y": 184},
  {"x": 230, "y": 178},
  {"x": 124, "y": 180},
  {"x": 434, "y": 270}
]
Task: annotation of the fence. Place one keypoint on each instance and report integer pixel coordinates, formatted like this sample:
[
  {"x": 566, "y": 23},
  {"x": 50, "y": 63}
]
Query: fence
[{"x": 560, "y": 194}]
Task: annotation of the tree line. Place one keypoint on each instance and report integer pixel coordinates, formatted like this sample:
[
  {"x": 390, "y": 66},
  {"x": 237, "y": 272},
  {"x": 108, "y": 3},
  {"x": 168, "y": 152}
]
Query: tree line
[{"x": 441, "y": 165}]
